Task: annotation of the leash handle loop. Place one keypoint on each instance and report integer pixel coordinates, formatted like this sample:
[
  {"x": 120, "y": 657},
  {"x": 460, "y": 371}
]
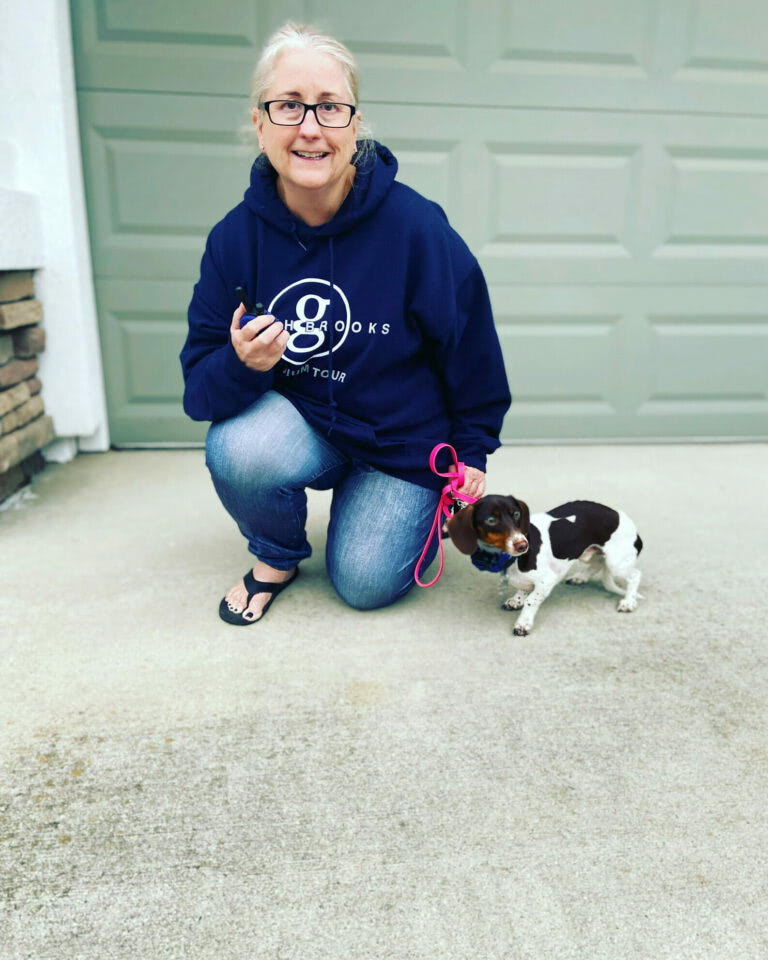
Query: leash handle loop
[{"x": 449, "y": 493}]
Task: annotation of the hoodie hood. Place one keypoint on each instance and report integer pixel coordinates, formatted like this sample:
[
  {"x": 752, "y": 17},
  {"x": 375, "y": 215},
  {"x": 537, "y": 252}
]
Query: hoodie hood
[{"x": 373, "y": 180}]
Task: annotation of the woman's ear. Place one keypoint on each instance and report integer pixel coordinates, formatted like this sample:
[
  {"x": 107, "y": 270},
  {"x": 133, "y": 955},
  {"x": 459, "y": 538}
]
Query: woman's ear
[
  {"x": 461, "y": 531},
  {"x": 258, "y": 121},
  {"x": 356, "y": 123}
]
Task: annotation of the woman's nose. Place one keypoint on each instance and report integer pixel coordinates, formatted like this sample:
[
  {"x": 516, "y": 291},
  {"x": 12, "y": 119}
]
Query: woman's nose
[{"x": 309, "y": 124}]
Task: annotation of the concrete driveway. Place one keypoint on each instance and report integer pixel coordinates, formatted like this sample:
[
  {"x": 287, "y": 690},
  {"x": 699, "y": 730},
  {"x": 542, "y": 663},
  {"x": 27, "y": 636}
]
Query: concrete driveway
[{"x": 408, "y": 783}]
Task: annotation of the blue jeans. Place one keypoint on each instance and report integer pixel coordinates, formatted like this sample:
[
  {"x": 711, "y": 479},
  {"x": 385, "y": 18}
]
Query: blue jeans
[{"x": 262, "y": 461}]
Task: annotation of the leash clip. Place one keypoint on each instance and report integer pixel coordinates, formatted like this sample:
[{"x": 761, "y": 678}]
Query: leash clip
[{"x": 448, "y": 497}]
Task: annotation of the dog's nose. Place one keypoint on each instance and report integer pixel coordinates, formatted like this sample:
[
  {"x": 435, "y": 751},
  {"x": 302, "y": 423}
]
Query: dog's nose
[{"x": 520, "y": 544}]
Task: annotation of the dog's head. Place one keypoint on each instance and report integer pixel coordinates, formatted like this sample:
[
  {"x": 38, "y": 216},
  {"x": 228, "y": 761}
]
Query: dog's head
[{"x": 495, "y": 521}]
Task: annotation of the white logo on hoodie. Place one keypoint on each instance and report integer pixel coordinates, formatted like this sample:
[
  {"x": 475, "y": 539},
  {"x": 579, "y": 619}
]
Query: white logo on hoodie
[{"x": 307, "y": 308}]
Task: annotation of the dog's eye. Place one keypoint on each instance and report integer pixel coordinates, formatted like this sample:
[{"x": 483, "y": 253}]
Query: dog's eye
[
  {"x": 516, "y": 516},
  {"x": 491, "y": 521}
]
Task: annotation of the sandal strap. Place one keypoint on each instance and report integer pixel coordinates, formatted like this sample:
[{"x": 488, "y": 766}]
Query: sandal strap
[{"x": 254, "y": 586}]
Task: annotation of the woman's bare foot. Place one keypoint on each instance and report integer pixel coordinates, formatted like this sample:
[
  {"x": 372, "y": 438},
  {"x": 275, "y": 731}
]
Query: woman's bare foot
[{"x": 237, "y": 596}]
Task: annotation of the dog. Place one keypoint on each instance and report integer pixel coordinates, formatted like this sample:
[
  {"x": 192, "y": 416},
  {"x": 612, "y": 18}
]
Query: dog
[{"x": 578, "y": 541}]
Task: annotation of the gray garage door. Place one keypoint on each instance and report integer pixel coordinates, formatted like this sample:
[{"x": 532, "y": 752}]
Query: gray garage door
[{"x": 607, "y": 161}]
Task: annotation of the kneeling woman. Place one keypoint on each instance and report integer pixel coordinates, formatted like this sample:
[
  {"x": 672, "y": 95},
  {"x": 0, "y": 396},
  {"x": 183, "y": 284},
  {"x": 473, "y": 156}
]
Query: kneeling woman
[{"x": 377, "y": 342}]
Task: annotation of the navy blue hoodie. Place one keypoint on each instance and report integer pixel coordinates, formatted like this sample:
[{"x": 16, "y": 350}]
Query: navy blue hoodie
[{"x": 393, "y": 347}]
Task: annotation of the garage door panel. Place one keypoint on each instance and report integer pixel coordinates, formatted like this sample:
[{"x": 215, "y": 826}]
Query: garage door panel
[
  {"x": 709, "y": 359},
  {"x": 143, "y": 325},
  {"x": 563, "y": 197},
  {"x": 559, "y": 195},
  {"x": 626, "y": 361},
  {"x": 160, "y": 174},
  {"x": 430, "y": 41},
  {"x": 193, "y": 23},
  {"x": 719, "y": 42},
  {"x": 139, "y": 210},
  {"x": 713, "y": 201},
  {"x": 565, "y": 353},
  {"x": 533, "y": 185},
  {"x": 571, "y": 394},
  {"x": 684, "y": 55},
  {"x": 592, "y": 33},
  {"x": 148, "y": 342},
  {"x": 194, "y": 46},
  {"x": 701, "y": 419}
]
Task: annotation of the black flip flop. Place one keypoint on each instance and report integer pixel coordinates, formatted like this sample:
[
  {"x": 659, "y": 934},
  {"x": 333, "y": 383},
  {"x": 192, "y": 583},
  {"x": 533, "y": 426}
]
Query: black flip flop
[{"x": 253, "y": 586}]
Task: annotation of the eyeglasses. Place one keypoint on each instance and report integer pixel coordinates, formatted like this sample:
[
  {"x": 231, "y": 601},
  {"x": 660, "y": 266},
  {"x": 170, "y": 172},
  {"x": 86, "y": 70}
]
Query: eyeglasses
[{"x": 291, "y": 113}]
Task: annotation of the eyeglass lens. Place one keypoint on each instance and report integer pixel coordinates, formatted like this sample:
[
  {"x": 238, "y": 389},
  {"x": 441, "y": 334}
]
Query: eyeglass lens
[{"x": 292, "y": 112}]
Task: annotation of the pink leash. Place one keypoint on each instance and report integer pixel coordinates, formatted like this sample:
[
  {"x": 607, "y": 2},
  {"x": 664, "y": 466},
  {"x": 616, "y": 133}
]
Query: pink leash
[{"x": 449, "y": 493}]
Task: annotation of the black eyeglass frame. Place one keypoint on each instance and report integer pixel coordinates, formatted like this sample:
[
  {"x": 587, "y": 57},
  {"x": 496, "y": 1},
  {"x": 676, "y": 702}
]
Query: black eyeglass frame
[{"x": 313, "y": 107}]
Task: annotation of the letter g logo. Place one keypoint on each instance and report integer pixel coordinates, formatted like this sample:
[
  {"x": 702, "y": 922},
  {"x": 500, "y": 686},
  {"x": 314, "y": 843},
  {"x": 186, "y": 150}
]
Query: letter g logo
[
  {"x": 305, "y": 339},
  {"x": 310, "y": 301},
  {"x": 301, "y": 308}
]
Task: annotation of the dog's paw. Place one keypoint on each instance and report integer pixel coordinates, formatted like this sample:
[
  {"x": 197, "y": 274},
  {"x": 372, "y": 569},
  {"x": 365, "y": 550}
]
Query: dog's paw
[
  {"x": 516, "y": 602},
  {"x": 521, "y": 631},
  {"x": 512, "y": 604},
  {"x": 577, "y": 581},
  {"x": 626, "y": 606}
]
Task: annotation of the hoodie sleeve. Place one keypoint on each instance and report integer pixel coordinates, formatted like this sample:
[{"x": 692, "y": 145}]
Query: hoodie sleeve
[
  {"x": 473, "y": 369},
  {"x": 468, "y": 356},
  {"x": 217, "y": 384}
]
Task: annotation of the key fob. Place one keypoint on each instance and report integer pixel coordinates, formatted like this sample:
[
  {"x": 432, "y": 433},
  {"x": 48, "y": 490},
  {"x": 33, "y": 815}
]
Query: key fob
[
  {"x": 252, "y": 313},
  {"x": 251, "y": 310}
]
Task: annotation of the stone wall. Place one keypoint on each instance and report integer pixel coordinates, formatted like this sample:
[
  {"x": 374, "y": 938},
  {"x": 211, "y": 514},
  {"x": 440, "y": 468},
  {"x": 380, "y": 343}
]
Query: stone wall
[{"x": 24, "y": 427}]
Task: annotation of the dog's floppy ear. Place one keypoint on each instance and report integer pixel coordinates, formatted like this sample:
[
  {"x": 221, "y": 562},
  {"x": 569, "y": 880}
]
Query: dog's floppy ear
[
  {"x": 525, "y": 515},
  {"x": 461, "y": 531}
]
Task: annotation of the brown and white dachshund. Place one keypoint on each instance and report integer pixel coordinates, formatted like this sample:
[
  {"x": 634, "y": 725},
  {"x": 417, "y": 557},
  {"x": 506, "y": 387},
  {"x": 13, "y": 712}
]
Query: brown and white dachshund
[{"x": 577, "y": 541}]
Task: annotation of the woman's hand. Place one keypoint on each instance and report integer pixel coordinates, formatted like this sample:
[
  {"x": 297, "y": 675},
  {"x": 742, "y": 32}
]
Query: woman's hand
[
  {"x": 258, "y": 352},
  {"x": 474, "y": 483}
]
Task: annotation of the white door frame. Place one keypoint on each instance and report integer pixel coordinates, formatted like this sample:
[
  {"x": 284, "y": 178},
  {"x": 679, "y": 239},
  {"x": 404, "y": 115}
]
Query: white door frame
[{"x": 40, "y": 165}]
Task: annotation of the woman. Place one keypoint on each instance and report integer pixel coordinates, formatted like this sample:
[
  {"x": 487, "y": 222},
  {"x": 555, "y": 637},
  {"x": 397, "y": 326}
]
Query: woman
[{"x": 376, "y": 344}]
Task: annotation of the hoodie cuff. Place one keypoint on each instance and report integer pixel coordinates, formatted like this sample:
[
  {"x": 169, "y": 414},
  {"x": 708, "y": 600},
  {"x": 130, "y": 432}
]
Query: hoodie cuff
[
  {"x": 472, "y": 458},
  {"x": 235, "y": 369}
]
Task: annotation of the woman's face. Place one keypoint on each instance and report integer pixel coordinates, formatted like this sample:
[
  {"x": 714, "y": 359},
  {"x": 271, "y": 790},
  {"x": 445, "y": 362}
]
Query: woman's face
[{"x": 309, "y": 157}]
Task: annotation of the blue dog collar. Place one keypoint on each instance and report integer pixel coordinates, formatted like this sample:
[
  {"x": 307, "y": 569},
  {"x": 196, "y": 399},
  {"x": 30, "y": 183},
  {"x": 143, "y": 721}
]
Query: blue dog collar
[{"x": 490, "y": 561}]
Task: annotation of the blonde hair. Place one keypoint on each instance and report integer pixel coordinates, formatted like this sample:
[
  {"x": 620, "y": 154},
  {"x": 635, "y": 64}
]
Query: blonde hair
[{"x": 299, "y": 36}]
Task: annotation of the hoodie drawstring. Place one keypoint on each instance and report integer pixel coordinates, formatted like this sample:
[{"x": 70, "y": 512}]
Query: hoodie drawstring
[
  {"x": 331, "y": 323},
  {"x": 295, "y": 232},
  {"x": 331, "y": 333}
]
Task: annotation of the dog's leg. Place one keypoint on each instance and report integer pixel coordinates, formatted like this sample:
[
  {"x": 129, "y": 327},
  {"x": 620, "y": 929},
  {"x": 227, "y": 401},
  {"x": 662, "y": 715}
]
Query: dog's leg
[
  {"x": 621, "y": 553},
  {"x": 503, "y": 587},
  {"x": 609, "y": 582},
  {"x": 516, "y": 600},
  {"x": 531, "y": 606},
  {"x": 631, "y": 576},
  {"x": 629, "y": 602},
  {"x": 580, "y": 573}
]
